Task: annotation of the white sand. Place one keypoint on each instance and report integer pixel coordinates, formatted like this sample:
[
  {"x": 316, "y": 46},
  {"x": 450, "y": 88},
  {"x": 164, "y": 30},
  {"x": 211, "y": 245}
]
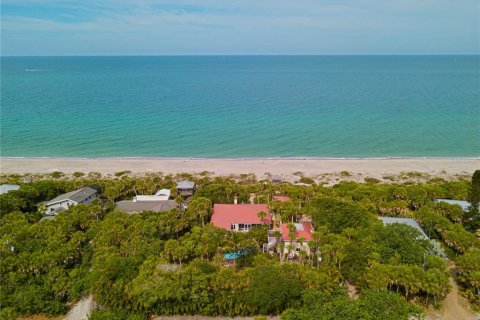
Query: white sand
[{"x": 262, "y": 168}]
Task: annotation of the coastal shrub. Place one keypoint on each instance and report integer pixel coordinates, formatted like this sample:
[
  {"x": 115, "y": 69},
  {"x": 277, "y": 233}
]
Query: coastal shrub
[
  {"x": 306, "y": 180},
  {"x": 267, "y": 282},
  {"x": 122, "y": 173},
  {"x": 337, "y": 305},
  {"x": 57, "y": 174},
  {"x": 345, "y": 174},
  {"x": 77, "y": 174},
  {"x": 339, "y": 214},
  {"x": 371, "y": 180},
  {"x": 173, "y": 262},
  {"x": 468, "y": 274}
]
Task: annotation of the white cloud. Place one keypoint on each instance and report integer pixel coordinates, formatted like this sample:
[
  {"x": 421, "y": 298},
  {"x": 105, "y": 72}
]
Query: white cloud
[{"x": 235, "y": 26}]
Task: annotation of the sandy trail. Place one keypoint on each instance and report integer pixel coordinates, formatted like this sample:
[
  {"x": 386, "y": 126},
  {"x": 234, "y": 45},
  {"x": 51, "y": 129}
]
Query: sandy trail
[
  {"x": 453, "y": 307},
  {"x": 81, "y": 310}
]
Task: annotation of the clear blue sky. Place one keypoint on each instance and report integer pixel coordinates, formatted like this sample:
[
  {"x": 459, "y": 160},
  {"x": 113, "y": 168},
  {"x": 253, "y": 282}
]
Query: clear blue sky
[{"x": 150, "y": 27}]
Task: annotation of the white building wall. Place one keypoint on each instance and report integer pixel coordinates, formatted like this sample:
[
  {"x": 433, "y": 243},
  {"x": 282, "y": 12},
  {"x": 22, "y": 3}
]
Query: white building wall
[
  {"x": 65, "y": 204},
  {"x": 296, "y": 248},
  {"x": 149, "y": 198}
]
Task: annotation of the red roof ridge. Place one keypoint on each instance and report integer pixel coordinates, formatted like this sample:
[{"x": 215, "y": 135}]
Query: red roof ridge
[
  {"x": 224, "y": 215},
  {"x": 306, "y": 233}
]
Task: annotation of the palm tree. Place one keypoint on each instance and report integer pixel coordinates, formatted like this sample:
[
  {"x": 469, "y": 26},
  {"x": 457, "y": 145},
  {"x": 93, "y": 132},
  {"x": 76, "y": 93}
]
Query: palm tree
[
  {"x": 277, "y": 234},
  {"x": 290, "y": 248},
  {"x": 200, "y": 208},
  {"x": 303, "y": 256},
  {"x": 292, "y": 231},
  {"x": 262, "y": 215},
  {"x": 178, "y": 200},
  {"x": 281, "y": 250}
]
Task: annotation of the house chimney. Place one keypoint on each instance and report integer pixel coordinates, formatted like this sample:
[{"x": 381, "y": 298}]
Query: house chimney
[{"x": 235, "y": 200}]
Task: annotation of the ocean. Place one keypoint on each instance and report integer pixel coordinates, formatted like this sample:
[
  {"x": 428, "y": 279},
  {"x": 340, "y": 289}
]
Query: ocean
[{"x": 240, "y": 106}]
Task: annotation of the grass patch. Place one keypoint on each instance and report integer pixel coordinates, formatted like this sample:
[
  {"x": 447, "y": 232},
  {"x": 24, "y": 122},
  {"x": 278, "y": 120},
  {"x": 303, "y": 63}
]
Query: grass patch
[
  {"x": 77, "y": 174},
  {"x": 371, "y": 180},
  {"x": 122, "y": 173},
  {"x": 57, "y": 174},
  {"x": 306, "y": 180}
]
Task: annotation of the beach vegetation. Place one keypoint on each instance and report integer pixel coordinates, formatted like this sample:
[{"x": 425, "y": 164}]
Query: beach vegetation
[
  {"x": 173, "y": 262},
  {"x": 57, "y": 174},
  {"x": 78, "y": 174},
  {"x": 122, "y": 173},
  {"x": 371, "y": 180},
  {"x": 345, "y": 174},
  {"x": 306, "y": 180}
]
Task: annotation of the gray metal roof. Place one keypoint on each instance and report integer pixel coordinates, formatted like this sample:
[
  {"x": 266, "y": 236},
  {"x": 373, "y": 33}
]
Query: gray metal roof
[
  {"x": 139, "y": 206},
  {"x": 465, "y": 205},
  {"x": 407, "y": 221},
  {"x": 77, "y": 195},
  {"x": 185, "y": 184},
  {"x": 4, "y": 188}
]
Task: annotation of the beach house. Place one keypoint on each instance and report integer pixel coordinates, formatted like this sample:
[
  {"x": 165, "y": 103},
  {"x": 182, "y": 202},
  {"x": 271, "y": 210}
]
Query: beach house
[
  {"x": 139, "y": 206},
  {"x": 64, "y": 201},
  {"x": 186, "y": 188},
  {"x": 160, "y": 195},
  {"x": 437, "y": 248},
  {"x": 296, "y": 237},
  {"x": 240, "y": 217}
]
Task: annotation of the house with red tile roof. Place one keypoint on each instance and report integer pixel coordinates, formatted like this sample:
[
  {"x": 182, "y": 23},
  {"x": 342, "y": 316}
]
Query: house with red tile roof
[
  {"x": 240, "y": 217},
  {"x": 303, "y": 234},
  {"x": 281, "y": 198},
  {"x": 302, "y": 230}
]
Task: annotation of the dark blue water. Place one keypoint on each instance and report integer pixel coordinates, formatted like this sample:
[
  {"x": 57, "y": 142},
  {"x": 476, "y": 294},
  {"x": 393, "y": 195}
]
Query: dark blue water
[{"x": 241, "y": 106}]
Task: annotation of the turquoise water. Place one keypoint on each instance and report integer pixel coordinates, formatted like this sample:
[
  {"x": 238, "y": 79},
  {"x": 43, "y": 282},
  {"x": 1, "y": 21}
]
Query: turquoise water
[{"x": 241, "y": 106}]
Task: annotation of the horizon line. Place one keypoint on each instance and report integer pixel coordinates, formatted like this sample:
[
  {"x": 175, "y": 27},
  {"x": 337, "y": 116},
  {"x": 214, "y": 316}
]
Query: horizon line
[{"x": 246, "y": 55}]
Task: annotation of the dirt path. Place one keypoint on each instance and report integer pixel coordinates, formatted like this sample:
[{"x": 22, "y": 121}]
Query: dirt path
[
  {"x": 454, "y": 305},
  {"x": 81, "y": 310}
]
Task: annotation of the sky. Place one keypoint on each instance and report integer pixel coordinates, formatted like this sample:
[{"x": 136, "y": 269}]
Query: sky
[{"x": 223, "y": 27}]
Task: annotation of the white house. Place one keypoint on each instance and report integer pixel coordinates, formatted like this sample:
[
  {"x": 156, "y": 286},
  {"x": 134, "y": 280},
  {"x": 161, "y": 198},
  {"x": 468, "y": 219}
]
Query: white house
[
  {"x": 64, "y": 201},
  {"x": 186, "y": 188},
  {"x": 303, "y": 234},
  {"x": 160, "y": 195}
]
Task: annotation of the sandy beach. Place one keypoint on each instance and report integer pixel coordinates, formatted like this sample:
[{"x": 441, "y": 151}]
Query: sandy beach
[{"x": 289, "y": 169}]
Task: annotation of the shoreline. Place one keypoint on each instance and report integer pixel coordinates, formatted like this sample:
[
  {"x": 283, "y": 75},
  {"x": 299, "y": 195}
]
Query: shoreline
[
  {"x": 246, "y": 158},
  {"x": 289, "y": 169}
]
